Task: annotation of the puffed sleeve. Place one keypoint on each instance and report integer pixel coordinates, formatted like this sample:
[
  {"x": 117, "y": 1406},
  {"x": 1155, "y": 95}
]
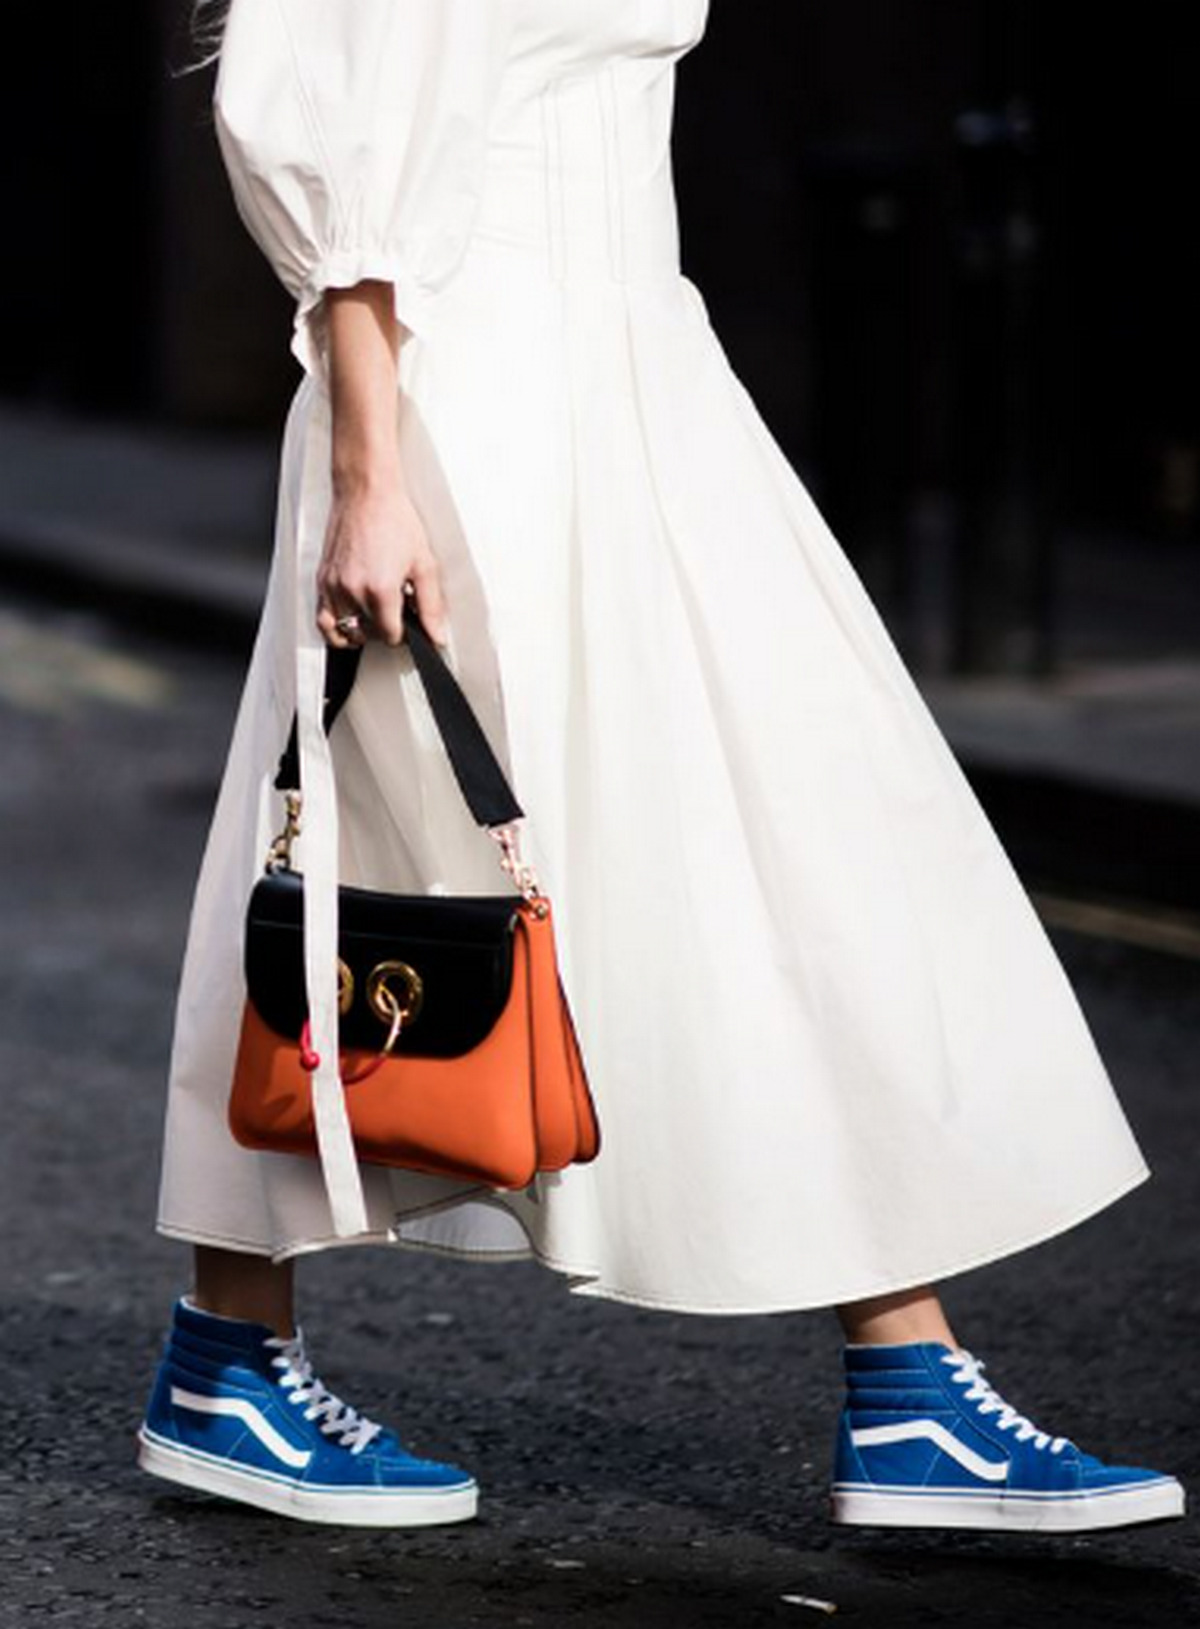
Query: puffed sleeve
[{"x": 354, "y": 134}]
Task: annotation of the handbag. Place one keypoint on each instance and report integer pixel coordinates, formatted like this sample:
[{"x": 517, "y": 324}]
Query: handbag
[{"x": 457, "y": 1049}]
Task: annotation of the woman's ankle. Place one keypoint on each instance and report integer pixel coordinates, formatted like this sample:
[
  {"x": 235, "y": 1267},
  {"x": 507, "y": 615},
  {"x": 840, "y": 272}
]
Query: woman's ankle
[
  {"x": 255, "y": 1289},
  {"x": 896, "y": 1319}
]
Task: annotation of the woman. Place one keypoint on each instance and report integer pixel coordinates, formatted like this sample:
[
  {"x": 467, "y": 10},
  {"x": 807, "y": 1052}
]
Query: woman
[{"x": 833, "y": 1054}]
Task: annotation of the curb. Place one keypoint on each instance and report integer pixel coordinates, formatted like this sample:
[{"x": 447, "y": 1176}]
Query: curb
[
  {"x": 1060, "y": 832},
  {"x": 1087, "y": 837},
  {"x": 211, "y": 600}
]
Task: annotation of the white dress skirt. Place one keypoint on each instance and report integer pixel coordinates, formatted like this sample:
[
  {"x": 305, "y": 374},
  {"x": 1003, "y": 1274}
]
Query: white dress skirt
[{"x": 833, "y": 1052}]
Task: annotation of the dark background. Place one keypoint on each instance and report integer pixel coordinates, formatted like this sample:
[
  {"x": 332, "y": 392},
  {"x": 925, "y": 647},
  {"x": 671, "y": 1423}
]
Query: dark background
[{"x": 947, "y": 245}]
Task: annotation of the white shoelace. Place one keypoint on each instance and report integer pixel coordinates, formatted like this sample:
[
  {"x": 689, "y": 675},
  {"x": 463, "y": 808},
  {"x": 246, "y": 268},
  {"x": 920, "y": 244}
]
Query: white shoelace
[
  {"x": 354, "y": 1430},
  {"x": 969, "y": 1373}
]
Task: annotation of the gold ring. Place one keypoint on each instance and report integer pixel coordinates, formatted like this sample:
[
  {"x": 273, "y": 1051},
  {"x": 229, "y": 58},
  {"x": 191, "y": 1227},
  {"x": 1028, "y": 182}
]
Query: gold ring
[{"x": 384, "y": 1001}]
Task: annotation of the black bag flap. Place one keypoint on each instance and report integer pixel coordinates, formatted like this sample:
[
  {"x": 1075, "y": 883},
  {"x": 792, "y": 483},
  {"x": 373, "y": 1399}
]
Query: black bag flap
[{"x": 460, "y": 946}]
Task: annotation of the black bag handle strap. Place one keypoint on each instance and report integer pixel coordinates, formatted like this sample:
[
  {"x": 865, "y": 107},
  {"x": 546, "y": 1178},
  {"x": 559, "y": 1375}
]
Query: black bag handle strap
[{"x": 476, "y": 768}]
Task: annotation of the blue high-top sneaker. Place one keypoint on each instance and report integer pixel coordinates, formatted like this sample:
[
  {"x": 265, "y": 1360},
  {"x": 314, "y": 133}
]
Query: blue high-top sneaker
[
  {"x": 925, "y": 1441},
  {"x": 236, "y": 1410}
]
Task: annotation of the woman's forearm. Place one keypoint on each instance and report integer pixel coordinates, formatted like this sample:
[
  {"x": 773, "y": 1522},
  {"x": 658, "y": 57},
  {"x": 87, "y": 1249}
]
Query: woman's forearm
[
  {"x": 375, "y": 543},
  {"x": 364, "y": 340}
]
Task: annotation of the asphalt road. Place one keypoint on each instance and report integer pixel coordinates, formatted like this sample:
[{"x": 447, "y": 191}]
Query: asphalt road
[{"x": 638, "y": 1468}]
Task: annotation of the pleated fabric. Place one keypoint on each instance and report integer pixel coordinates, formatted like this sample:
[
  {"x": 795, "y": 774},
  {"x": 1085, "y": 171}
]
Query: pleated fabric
[{"x": 832, "y": 1049}]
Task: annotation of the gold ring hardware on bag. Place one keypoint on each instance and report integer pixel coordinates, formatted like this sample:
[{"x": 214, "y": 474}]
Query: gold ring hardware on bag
[
  {"x": 345, "y": 988},
  {"x": 382, "y": 998},
  {"x": 394, "y": 1011}
]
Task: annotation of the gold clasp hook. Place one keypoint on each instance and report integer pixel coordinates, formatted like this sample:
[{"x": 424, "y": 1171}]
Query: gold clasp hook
[
  {"x": 279, "y": 855},
  {"x": 518, "y": 869}
]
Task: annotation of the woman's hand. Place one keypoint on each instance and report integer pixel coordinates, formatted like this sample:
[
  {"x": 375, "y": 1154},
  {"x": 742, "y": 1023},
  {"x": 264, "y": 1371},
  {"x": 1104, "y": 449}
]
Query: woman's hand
[{"x": 375, "y": 543}]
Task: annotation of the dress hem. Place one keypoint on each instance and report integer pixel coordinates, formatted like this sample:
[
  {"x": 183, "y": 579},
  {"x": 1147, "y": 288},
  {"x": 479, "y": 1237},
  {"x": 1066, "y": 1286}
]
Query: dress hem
[{"x": 585, "y": 1280}]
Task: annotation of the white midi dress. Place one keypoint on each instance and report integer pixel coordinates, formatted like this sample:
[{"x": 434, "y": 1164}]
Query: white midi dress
[{"x": 832, "y": 1050}]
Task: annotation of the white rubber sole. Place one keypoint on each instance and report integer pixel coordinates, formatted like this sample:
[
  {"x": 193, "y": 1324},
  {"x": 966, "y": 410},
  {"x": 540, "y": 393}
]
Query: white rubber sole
[
  {"x": 1008, "y": 1512},
  {"x": 424, "y": 1507}
]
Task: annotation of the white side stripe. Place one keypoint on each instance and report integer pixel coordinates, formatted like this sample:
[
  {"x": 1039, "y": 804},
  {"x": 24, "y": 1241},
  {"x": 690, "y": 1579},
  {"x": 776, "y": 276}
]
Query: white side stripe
[
  {"x": 990, "y": 1470},
  {"x": 239, "y": 1409}
]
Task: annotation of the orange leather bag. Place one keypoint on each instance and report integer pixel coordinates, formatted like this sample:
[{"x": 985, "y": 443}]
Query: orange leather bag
[{"x": 457, "y": 1050}]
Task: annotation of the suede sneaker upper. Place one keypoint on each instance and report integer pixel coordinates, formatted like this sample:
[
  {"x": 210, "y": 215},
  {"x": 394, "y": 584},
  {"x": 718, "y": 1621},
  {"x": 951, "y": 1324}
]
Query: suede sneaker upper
[
  {"x": 237, "y": 1410},
  {"x": 925, "y": 1440}
]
